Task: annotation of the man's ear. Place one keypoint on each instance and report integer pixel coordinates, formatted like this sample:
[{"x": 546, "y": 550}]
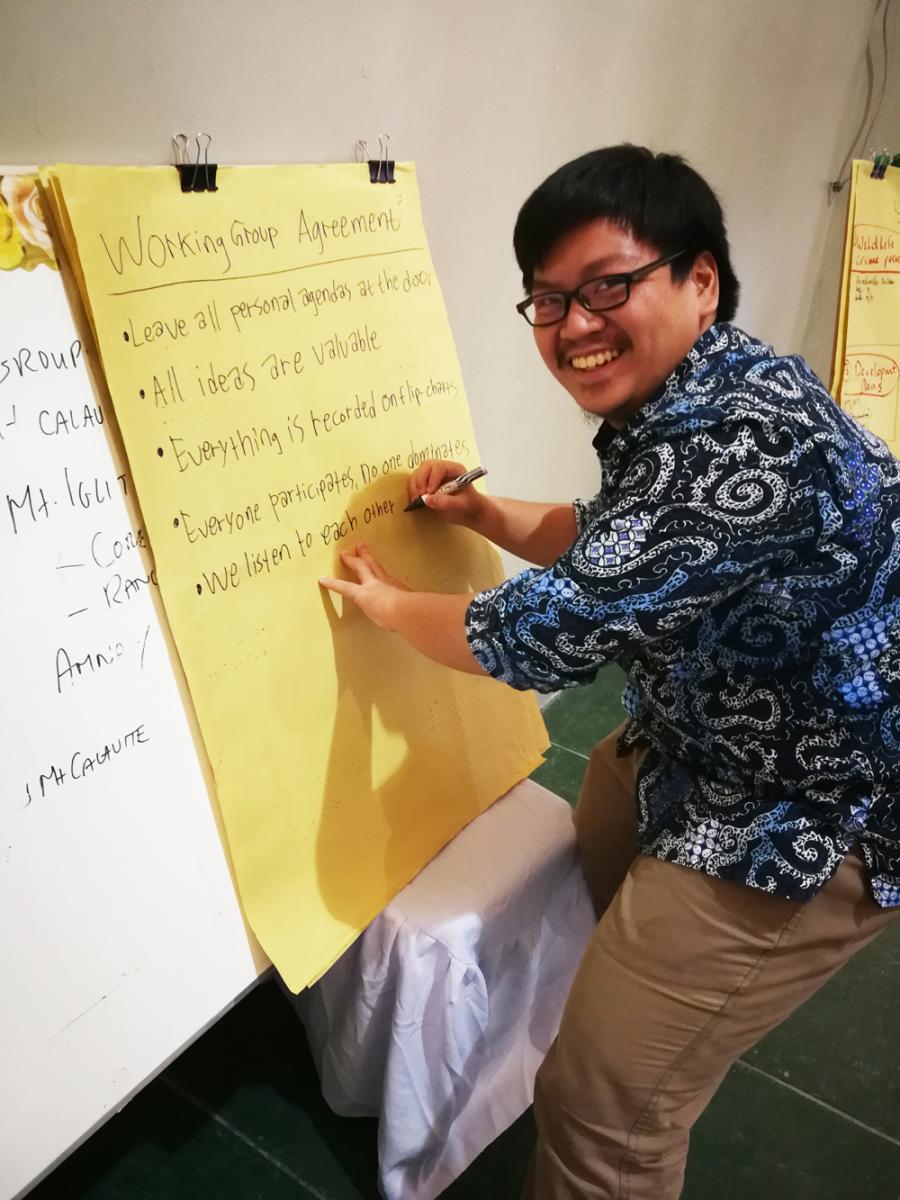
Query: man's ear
[{"x": 704, "y": 278}]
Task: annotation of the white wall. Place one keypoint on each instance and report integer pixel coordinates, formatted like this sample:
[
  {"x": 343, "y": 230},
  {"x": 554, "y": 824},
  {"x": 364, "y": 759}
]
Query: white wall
[{"x": 763, "y": 96}]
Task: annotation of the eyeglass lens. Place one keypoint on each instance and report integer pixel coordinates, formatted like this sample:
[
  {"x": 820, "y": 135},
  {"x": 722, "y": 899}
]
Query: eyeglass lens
[{"x": 594, "y": 294}]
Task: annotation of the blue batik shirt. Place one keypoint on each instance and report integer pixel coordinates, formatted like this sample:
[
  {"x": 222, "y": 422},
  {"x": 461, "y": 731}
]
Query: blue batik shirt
[{"x": 742, "y": 562}]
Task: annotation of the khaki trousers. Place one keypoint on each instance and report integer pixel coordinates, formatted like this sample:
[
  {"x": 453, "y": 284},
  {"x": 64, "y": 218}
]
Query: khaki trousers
[{"x": 683, "y": 975}]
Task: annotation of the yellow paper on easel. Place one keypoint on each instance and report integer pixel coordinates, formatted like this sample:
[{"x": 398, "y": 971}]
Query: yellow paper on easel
[
  {"x": 279, "y": 358},
  {"x": 867, "y": 362}
]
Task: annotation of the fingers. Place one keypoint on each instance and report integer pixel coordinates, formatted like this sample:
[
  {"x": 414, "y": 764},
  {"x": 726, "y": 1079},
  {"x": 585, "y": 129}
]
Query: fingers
[
  {"x": 439, "y": 501},
  {"x": 361, "y": 563},
  {"x": 365, "y": 565},
  {"x": 360, "y": 568},
  {"x": 440, "y": 473},
  {"x": 430, "y": 475},
  {"x": 373, "y": 592},
  {"x": 343, "y": 587},
  {"x": 455, "y": 507}
]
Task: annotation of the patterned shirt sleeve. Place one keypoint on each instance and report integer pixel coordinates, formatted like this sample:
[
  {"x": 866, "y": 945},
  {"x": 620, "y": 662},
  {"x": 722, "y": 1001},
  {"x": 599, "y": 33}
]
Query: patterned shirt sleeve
[{"x": 694, "y": 521}]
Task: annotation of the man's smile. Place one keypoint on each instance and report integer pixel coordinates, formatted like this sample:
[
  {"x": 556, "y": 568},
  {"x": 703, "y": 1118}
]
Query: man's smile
[{"x": 596, "y": 358}]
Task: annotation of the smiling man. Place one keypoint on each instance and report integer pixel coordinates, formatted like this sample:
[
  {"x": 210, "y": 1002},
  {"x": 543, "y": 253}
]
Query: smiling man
[{"x": 741, "y": 833}]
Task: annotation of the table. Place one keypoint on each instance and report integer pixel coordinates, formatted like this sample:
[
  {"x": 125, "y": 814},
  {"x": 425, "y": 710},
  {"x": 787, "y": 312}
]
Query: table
[{"x": 438, "y": 1016}]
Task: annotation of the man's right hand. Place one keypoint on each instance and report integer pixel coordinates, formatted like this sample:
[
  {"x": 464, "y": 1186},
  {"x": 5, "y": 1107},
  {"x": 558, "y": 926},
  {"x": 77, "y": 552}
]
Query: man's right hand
[
  {"x": 457, "y": 508},
  {"x": 537, "y": 532}
]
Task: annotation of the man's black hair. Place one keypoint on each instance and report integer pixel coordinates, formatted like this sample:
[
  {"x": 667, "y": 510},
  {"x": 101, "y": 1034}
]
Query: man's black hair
[{"x": 657, "y": 198}]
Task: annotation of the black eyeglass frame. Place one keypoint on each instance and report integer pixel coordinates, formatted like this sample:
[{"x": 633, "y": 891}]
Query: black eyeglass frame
[{"x": 629, "y": 278}]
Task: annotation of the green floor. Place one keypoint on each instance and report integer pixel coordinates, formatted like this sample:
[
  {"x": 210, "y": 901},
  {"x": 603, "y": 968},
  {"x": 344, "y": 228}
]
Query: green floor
[{"x": 812, "y": 1112}]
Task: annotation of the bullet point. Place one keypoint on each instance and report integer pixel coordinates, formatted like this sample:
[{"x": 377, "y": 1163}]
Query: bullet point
[
  {"x": 176, "y": 522},
  {"x": 159, "y": 451},
  {"x": 125, "y": 335},
  {"x": 141, "y": 393},
  {"x": 199, "y": 589}
]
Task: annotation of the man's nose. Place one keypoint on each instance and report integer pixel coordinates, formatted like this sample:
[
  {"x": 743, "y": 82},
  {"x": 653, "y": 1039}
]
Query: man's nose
[{"x": 580, "y": 321}]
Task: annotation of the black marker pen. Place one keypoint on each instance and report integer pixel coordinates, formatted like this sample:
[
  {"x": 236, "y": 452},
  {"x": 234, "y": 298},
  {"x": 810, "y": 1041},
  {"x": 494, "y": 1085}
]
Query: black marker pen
[{"x": 448, "y": 488}]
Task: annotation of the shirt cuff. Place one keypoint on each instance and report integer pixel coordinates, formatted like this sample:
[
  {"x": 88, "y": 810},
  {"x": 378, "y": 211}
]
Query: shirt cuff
[
  {"x": 491, "y": 631},
  {"x": 484, "y": 621}
]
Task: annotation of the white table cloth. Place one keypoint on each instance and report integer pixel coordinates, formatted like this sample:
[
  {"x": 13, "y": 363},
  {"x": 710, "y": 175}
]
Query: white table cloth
[{"x": 437, "y": 1017}]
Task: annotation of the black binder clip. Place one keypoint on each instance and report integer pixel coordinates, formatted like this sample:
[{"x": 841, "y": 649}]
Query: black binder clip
[
  {"x": 381, "y": 169},
  {"x": 195, "y": 176}
]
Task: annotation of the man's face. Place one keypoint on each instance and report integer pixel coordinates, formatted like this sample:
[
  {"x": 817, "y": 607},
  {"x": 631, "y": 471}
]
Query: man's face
[{"x": 612, "y": 362}]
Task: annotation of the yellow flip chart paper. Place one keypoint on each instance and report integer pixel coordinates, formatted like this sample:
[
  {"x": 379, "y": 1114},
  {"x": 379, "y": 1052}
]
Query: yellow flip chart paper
[
  {"x": 279, "y": 358},
  {"x": 867, "y": 360}
]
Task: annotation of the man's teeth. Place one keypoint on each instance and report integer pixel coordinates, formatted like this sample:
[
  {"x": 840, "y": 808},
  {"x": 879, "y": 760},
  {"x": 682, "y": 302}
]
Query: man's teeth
[{"x": 587, "y": 361}]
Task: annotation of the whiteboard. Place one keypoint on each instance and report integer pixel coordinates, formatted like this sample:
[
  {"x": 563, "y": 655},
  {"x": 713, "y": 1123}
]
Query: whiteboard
[{"x": 121, "y": 936}]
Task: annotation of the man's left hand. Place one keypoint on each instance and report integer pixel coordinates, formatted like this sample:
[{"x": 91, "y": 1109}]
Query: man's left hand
[{"x": 374, "y": 593}]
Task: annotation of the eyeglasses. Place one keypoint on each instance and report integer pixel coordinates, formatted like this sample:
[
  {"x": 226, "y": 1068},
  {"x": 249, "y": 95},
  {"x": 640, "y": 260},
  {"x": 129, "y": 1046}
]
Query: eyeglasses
[{"x": 594, "y": 295}]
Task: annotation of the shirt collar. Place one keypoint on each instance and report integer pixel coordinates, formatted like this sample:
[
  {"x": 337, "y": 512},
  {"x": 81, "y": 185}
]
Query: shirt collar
[{"x": 716, "y": 347}]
